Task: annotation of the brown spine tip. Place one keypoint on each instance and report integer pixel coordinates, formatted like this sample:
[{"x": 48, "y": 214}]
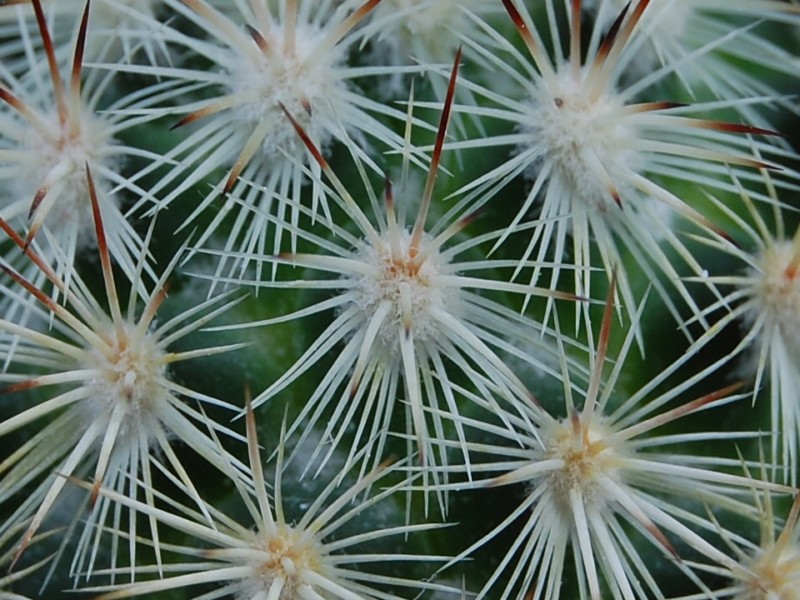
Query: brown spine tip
[
  {"x": 444, "y": 120},
  {"x": 516, "y": 18},
  {"x": 767, "y": 166},
  {"x": 205, "y": 111},
  {"x": 575, "y": 420},
  {"x": 662, "y": 539},
  {"x": 102, "y": 244},
  {"x": 614, "y": 192},
  {"x": 636, "y": 16},
  {"x": 37, "y": 200},
  {"x": 667, "y": 105},
  {"x": 576, "y": 10},
  {"x": 306, "y": 140},
  {"x": 655, "y": 106},
  {"x": 365, "y": 9},
  {"x": 160, "y": 296},
  {"x": 467, "y": 220},
  {"x": 95, "y": 493},
  {"x": 611, "y": 36},
  {"x": 699, "y": 403},
  {"x": 353, "y": 389},
  {"x": 306, "y": 104},
  {"x": 237, "y": 169},
  {"x": 388, "y": 194},
  {"x": 735, "y": 128},
  {"x": 575, "y": 38},
  {"x": 441, "y": 134},
  {"x": 608, "y": 318},
  {"x": 23, "y": 545},
  {"x": 640, "y": 8},
  {"x": 21, "y": 386},
  {"x": 259, "y": 39},
  {"x": 724, "y": 235},
  {"x": 387, "y": 462},
  {"x": 80, "y": 47},
  {"x": 576, "y": 15},
  {"x": 52, "y": 61},
  {"x": 10, "y": 99},
  {"x": 753, "y": 163},
  {"x": 29, "y": 238},
  {"x": 571, "y": 296},
  {"x": 720, "y": 393},
  {"x": 190, "y": 118},
  {"x": 195, "y": 5},
  {"x": 496, "y": 482},
  {"x": 105, "y": 255}
]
